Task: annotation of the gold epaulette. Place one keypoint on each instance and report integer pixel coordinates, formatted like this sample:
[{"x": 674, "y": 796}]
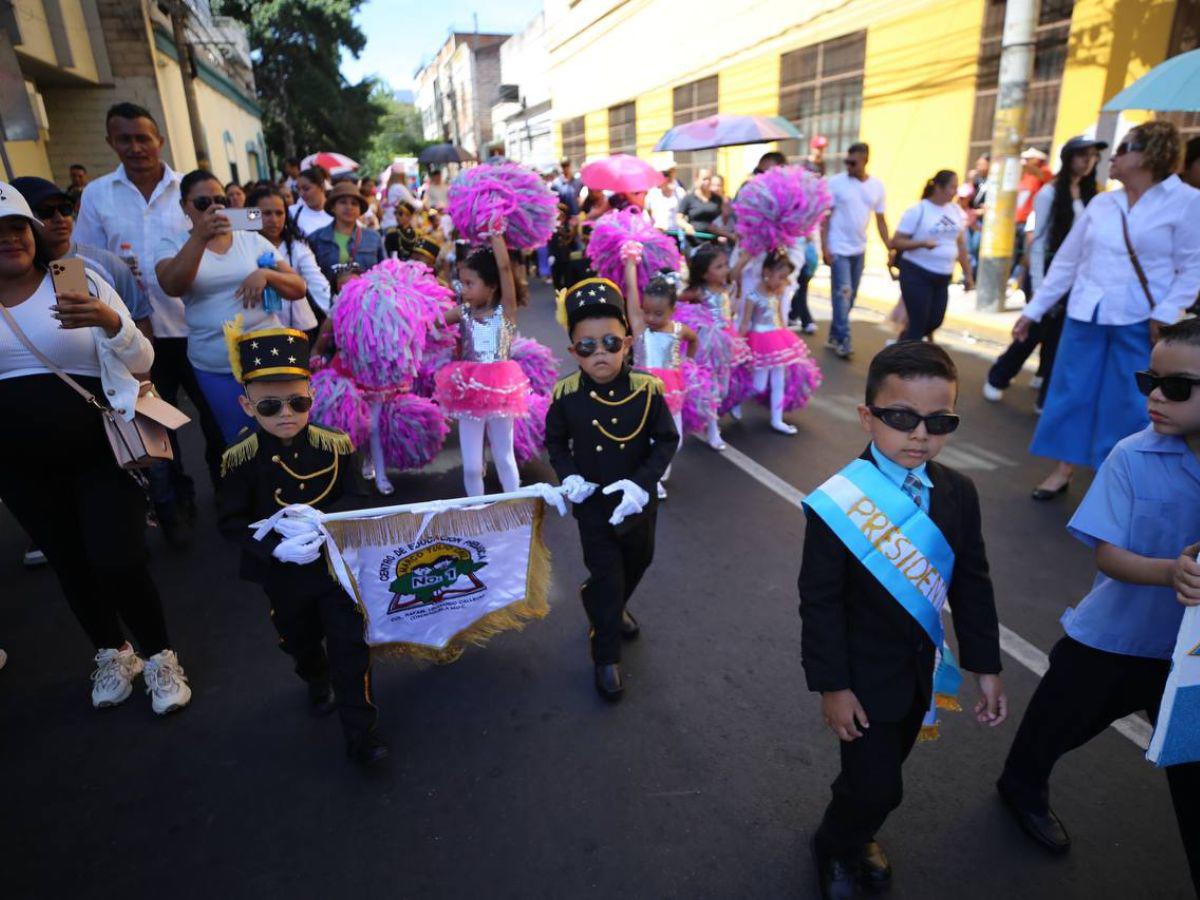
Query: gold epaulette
[
  {"x": 567, "y": 385},
  {"x": 330, "y": 439},
  {"x": 639, "y": 380},
  {"x": 244, "y": 450}
]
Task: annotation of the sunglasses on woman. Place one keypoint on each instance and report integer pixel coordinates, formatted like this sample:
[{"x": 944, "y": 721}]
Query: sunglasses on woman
[
  {"x": 906, "y": 420},
  {"x": 46, "y": 211},
  {"x": 610, "y": 343},
  {"x": 203, "y": 203},
  {"x": 1176, "y": 388},
  {"x": 269, "y": 407},
  {"x": 1128, "y": 147}
]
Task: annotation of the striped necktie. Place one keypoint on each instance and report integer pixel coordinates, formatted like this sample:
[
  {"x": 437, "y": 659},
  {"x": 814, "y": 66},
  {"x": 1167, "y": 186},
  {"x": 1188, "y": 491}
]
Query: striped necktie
[{"x": 912, "y": 487}]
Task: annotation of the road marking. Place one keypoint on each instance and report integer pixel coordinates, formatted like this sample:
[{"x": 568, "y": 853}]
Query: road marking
[{"x": 1134, "y": 728}]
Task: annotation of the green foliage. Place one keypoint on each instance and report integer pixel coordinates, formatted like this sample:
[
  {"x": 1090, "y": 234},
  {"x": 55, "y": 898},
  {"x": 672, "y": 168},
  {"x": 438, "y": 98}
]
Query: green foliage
[
  {"x": 307, "y": 105},
  {"x": 398, "y": 132}
]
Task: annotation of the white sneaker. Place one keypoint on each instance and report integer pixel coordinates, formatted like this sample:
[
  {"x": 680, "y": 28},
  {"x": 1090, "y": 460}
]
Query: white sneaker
[
  {"x": 662, "y": 491},
  {"x": 735, "y": 413},
  {"x": 112, "y": 680},
  {"x": 810, "y": 328},
  {"x": 165, "y": 683},
  {"x": 994, "y": 394},
  {"x": 784, "y": 427},
  {"x": 1036, "y": 382}
]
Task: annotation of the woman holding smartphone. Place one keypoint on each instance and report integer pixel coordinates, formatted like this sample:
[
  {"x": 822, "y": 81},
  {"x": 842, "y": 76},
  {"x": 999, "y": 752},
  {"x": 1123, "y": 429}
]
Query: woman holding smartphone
[{"x": 220, "y": 274}]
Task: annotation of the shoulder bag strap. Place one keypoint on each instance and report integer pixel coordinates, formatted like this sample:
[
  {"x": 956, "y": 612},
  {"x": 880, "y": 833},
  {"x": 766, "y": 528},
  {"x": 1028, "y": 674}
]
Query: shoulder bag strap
[
  {"x": 1133, "y": 258},
  {"x": 24, "y": 339}
]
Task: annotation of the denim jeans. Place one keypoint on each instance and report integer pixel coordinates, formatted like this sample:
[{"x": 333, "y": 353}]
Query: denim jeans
[{"x": 845, "y": 274}]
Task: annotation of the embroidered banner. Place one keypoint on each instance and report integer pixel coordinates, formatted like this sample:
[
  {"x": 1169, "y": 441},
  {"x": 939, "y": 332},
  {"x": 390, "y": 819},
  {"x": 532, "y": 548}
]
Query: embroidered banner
[{"x": 1177, "y": 736}]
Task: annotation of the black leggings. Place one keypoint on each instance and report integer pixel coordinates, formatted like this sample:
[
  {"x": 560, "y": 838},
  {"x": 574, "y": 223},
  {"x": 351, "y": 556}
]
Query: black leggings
[
  {"x": 925, "y": 296},
  {"x": 58, "y": 477}
]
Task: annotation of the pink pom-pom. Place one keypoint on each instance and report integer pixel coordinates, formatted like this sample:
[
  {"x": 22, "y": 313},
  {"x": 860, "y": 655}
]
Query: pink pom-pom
[
  {"x": 412, "y": 430},
  {"x": 537, "y": 362},
  {"x": 613, "y": 230},
  {"x": 338, "y": 403},
  {"x": 529, "y": 432},
  {"x": 382, "y": 321},
  {"x": 778, "y": 206},
  {"x": 506, "y": 194},
  {"x": 700, "y": 398}
]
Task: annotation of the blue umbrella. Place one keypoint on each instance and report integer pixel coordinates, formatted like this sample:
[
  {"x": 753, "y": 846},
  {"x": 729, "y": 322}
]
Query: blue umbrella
[{"x": 1172, "y": 86}]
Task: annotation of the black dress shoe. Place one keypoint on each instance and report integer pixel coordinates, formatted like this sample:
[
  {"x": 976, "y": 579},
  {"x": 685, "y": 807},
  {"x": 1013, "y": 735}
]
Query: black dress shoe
[
  {"x": 1044, "y": 827},
  {"x": 1041, "y": 494},
  {"x": 367, "y": 750},
  {"x": 874, "y": 870},
  {"x": 836, "y": 877},
  {"x": 609, "y": 683},
  {"x": 320, "y": 698},
  {"x": 629, "y": 626}
]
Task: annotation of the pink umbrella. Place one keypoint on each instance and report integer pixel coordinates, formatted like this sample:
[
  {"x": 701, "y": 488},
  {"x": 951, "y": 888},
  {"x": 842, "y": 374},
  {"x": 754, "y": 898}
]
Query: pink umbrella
[
  {"x": 333, "y": 163},
  {"x": 620, "y": 173}
]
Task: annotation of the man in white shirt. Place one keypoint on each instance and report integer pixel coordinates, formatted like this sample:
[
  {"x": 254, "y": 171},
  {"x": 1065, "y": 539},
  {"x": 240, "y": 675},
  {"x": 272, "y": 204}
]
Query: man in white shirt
[
  {"x": 662, "y": 203},
  {"x": 856, "y": 195}
]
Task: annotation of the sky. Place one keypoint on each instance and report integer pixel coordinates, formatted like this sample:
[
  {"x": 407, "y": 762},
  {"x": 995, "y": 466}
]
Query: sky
[{"x": 402, "y": 34}]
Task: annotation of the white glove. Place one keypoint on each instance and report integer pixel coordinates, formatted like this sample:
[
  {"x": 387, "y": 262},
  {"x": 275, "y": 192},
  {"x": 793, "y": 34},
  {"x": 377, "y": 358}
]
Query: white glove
[
  {"x": 553, "y": 497},
  {"x": 289, "y": 527},
  {"x": 633, "y": 500},
  {"x": 577, "y": 488},
  {"x": 301, "y": 550}
]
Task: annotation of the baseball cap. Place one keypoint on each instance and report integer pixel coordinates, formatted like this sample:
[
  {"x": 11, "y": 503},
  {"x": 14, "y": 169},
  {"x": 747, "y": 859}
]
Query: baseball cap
[
  {"x": 37, "y": 191},
  {"x": 820, "y": 142},
  {"x": 13, "y": 203},
  {"x": 1034, "y": 153},
  {"x": 1078, "y": 143}
]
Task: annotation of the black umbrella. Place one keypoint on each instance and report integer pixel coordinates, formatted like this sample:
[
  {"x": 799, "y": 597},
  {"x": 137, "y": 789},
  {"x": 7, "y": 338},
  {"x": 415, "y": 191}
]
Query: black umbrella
[{"x": 441, "y": 154}]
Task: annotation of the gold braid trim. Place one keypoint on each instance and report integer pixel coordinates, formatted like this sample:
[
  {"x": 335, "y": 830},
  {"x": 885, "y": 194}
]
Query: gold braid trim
[
  {"x": 239, "y": 453},
  {"x": 568, "y": 385},
  {"x": 641, "y": 380},
  {"x": 642, "y": 424},
  {"x": 330, "y": 440},
  {"x": 403, "y": 528}
]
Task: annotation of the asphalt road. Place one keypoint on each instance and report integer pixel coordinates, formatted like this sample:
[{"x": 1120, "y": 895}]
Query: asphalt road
[{"x": 510, "y": 778}]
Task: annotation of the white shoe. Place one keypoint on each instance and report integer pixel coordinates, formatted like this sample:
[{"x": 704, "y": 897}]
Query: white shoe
[
  {"x": 383, "y": 485},
  {"x": 662, "y": 491},
  {"x": 1036, "y": 382},
  {"x": 735, "y": 413},
  {"x": 166, "y": 683},
  {"x": 810, "y": 328},
  {"x": 994, "y": 394},
  {"x": 112, "y": 680},
  {"x": 717, "y": 443},
  {"x": 784, "y": 427},
  {"x": 368, "y": 469}
]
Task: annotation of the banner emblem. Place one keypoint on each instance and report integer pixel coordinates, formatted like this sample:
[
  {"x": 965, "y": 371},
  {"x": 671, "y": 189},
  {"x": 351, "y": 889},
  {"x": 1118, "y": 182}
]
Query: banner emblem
[{"x": 435, "y": 570}]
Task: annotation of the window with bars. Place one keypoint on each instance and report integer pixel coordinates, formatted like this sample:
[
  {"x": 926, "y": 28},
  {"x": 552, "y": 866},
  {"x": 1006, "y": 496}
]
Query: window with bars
[
  {"x": 622, "y": 129},
  {"x": 1049, "y": 60},
  {"x": 574, "y": 141},
  {"x": 692, "y": 101},
  {"x": 1185, "y": 36},
  {"x": 820, "y": 92}
]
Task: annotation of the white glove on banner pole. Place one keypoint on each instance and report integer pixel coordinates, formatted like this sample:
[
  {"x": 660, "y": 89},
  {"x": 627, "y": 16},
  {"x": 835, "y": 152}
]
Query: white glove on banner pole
[
  {"x": 577, "y": 488},
  {"x": 301, "y": 549},
  {"x": 633, "y": 500}
]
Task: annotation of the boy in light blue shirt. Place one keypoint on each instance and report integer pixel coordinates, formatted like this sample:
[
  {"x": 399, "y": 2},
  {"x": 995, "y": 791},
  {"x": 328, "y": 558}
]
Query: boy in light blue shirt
[{"x": 1142, "y": 517}]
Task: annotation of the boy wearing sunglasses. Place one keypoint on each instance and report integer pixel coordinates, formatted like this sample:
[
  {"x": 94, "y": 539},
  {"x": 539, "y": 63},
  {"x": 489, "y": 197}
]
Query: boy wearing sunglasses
[
  {"x": 889, "y": 541},
  {"x": 610, "y": 437},
  {"x": 1142, "y": 518},
  {"x": 288, "y": 460}
]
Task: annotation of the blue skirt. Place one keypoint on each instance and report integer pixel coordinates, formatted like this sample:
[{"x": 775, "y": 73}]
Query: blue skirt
[{"x": 1093, "y": 400}]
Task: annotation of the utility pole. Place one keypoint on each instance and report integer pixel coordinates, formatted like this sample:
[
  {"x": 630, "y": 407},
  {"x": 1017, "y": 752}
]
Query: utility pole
[
  {"x": 179, "y": 12},
  {"x": 1008, "y": 130}
]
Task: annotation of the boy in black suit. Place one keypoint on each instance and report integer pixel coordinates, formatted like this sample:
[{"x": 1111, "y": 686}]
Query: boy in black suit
[{"x": 869, "y": 658}]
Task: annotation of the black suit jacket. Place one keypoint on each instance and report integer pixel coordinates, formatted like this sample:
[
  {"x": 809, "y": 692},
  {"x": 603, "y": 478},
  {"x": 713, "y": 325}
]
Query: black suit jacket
[{"x": 856, "y": 636}]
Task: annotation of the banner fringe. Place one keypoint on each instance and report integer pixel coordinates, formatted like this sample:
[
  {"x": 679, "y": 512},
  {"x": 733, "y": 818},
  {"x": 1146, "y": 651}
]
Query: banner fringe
[
  {"x": 403, "y": 528},
  {"x": 929, "y": 733},
  {"x": 948, "y": 702}
]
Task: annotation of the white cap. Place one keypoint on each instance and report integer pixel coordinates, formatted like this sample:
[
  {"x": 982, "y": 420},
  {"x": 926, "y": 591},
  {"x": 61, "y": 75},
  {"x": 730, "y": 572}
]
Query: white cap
[
  {"x": 1034, "y": 153},
  {"x": 13, "y": 204}
]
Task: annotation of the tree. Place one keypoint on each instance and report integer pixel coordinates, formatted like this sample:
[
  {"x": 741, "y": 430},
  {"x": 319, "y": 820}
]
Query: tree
[
  {"x": 397, "y": 133},
  {"x": 296, "y": 46}
]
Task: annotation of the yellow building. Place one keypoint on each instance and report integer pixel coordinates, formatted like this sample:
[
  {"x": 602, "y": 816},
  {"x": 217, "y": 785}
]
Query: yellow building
[
  {"x": 75, "y": 58},
  {"x": 916, "y": 79}
]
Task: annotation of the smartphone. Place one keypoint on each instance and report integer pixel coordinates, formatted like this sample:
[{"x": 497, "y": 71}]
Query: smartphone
[
  {"x": 68, "y": 275},
  {"x": 244, "y": 219}
]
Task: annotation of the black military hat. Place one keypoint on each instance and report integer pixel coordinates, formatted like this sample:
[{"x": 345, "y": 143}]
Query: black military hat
[
  {"x": 593, "y": 298},
  {"x": 425, "y": 250},
  {"x": 269, "y": 354}
]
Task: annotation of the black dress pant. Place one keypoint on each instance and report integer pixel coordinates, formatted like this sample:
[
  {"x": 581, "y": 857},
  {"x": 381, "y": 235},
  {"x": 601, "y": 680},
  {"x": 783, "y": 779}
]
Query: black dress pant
[
  {"x": 1082, "y": 694},
  {"x": 870, "y": 784},
  {"x": 616, "y": 560},
  {"x": 172, "y": 372},
  {"x": 925, "y": 297},
  {"x": 322, "y": 630},
  {"x": 799, "y": 305},
  {"x": 1047, "y": 333}
]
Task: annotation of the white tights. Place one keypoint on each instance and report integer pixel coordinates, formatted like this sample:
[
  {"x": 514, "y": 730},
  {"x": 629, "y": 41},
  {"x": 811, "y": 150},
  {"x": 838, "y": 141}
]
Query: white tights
[
  {"x": 678, "y": 417},
  {"x": 775, "y": 375},
  {"x": 378, "y": 463},
  {"x": 499, "y": 431}
]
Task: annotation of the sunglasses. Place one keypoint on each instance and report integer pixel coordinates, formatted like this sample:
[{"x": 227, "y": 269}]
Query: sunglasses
[
  {"x": 610, "y": 344},
  {"x": 1176, "y": 388},
  {"x": 907, "y": 420},
  {"x": 850, "y": 163},
  {"x": 203, "y": 203},
  {"x": 64, "y": 208},
  {"x": 1128, "y": 147},
  {"x": 270, "y": 407}
]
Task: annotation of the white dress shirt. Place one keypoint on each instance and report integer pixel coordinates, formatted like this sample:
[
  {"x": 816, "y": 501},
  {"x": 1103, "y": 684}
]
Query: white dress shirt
[
  {"x": 112, "y": 212},
  {"x": 1094, "y": 265}
]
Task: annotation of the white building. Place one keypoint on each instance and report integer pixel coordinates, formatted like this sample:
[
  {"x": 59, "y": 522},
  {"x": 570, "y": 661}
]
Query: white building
[
  {"x": 521, "y": 120},
  {"x": 455, "y": 91}
]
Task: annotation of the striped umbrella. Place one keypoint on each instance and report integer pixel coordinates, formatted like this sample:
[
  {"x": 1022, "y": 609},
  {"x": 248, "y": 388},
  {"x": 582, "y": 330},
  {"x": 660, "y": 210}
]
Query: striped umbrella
[{"x": 333, "y": 163}]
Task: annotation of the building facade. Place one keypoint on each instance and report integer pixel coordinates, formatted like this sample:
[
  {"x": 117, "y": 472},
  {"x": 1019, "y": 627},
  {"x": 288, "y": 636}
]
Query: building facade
[
  {"x": 522, "y": 122},
  {"x": 456, "y": 91},
  {"x": 75, "y": 58}
]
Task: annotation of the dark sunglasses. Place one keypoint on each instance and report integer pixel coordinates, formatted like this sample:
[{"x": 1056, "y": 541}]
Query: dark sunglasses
[
  {"x": 1128, "y": 147},
  {"x": 610, "y": 343},
  {"x": 1176, "y": 388},
  {"x": 203, "y": 203},
  {"x": 270, "y": 407},
  {"x": 64, "y": 208},
  {"x": 907, "y": 420},
  {"x": 849, "y": 163}
]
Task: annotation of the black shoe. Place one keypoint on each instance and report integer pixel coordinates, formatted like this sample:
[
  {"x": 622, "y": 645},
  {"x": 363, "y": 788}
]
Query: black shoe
[
  {"x": 608, "y": 681},
  {"x": 1044, "y": 827},
  {"x": 320, "y": 698},
  {"x": 1042, "y": 494},
  {"x": 629, "y": 626},
  {"x": 176, "y": 528},
  {"x": 874, "y": 870},
  {"x": 836, "y": 877},
  {"x": 368, "y": 750}
]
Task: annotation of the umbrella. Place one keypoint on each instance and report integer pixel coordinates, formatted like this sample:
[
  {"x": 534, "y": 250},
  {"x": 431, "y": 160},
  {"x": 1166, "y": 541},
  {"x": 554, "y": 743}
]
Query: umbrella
[
  {"x": 726, "y": 130},
  {"x": 620, "y": 173},
  {"x": 1168, "y": 87},
  {"x": 440, "y": 154},
  {"x": 333, "y": 163}
]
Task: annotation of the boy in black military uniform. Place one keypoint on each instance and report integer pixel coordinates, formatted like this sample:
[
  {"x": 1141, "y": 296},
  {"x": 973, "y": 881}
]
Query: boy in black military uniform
[
  {"x": 289, "y": 461},
  {"x": 608, "y": 427}
]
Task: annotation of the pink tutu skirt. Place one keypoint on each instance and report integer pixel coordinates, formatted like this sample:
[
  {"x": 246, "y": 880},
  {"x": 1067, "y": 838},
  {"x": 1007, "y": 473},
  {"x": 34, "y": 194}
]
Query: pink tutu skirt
[
  {"x": 475, "y": 390},
  {"x": 674, "y": 389},
  {"x": 741, "y": 348},
  {"x": 776, "y": 348}
]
